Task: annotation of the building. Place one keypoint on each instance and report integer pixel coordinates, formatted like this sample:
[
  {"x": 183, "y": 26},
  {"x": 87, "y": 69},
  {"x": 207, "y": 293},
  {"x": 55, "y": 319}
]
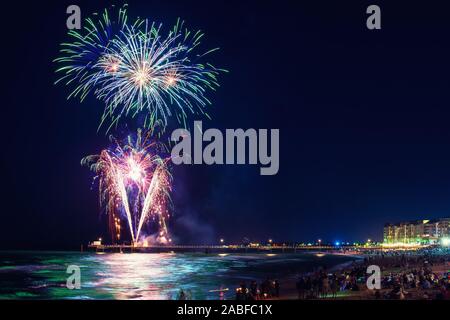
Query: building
[{"x": 417, "y": 232}]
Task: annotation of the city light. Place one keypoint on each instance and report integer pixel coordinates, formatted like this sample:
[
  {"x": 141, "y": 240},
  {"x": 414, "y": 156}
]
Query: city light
[
  {"x": 417, "y": 232},
  {"x": 445, "y": 242},
  {"x": 401, "y": 245}
]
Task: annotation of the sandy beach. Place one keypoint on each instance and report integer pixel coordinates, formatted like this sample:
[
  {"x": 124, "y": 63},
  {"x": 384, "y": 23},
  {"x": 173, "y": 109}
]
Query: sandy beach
[{"x": 440, "y": 268}]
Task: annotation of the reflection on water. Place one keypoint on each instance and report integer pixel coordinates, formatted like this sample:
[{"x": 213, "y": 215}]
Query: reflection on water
[{"x": 40, "y": 275}]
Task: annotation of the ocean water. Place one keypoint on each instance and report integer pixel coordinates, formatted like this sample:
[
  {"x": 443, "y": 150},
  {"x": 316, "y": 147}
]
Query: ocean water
[{"x": 43, "y": 275}]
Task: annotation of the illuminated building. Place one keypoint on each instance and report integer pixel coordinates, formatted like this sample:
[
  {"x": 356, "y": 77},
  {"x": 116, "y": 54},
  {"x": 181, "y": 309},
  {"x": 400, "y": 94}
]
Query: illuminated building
[{"x": 417, "y": 232}]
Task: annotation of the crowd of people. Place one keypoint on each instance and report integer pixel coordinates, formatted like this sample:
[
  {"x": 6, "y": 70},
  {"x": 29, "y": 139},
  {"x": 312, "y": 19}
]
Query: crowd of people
[
  {"x": 323, "y": 285},
  {"x": 411, "y": 274},
  {"x": 267, "y": 289},
  {"x": 404, "y": 275}
]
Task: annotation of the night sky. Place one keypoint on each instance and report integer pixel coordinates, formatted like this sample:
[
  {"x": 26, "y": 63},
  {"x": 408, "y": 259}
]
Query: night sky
[{"x": 364, "y": 119}]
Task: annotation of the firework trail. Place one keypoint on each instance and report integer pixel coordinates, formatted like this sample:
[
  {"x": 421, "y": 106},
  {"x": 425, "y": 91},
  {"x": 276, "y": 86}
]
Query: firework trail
[
  {"x": 135, "y": 67},
  {"x": 134, "y": 184}
]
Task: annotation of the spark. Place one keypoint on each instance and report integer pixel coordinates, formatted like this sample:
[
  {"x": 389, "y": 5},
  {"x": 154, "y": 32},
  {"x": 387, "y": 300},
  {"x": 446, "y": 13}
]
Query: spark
[{"x": 134, "y": 183}]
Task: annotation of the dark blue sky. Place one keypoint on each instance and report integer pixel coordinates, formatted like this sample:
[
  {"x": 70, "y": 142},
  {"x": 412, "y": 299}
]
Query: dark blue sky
[{"x": 364, "y": 118}]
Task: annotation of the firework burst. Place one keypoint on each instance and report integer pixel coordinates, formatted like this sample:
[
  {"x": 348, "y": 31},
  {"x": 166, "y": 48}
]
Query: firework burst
[
  {"x": 134, "y": 186},
  {"x": 135, "y": 68},
  {"x": 85, "y": 48}
]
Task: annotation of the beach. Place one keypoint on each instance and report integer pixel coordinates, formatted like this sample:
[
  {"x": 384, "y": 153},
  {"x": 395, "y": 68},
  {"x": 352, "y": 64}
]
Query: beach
[{"x": 405, "y": 275}]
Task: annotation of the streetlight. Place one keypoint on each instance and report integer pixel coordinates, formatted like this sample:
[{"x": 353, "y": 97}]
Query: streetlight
[
  {"x": 270, "y": 241},
  {"x": 222, "y": 241},
  {"x": 319, "y": 241}
]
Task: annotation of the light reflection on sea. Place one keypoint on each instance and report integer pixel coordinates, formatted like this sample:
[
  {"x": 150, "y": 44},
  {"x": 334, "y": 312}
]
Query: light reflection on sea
[{"x": 42, "y": 275}]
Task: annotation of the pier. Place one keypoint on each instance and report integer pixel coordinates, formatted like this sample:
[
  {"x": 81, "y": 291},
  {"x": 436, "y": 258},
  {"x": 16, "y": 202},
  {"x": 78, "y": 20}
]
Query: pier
[{"x": 222, "y": 248}]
